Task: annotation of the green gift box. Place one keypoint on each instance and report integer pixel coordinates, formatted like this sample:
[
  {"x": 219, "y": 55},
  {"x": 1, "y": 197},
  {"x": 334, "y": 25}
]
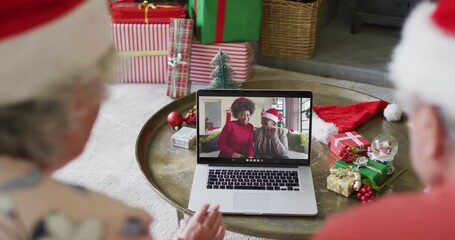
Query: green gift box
[
  {"x": 374, "y": 170},
  {"x": 219, "y": 21}
]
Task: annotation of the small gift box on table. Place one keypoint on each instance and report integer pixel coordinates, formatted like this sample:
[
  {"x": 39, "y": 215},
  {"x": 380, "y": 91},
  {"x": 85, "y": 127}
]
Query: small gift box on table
[
  {"x": 351, "y": 139},
  {"x": 367, "y": 169},
  {"x": 145, "y": 12},
  {"x": 181, "y": 33},
  {"x": 226, "y": 20},
  {"x": 344, "y": 181},
  {"x": 241, "y": 55},
  {"x": 143, "y": 49}
]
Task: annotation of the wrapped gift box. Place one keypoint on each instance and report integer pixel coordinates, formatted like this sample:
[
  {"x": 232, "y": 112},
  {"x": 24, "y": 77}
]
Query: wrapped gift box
[
  {"x": 374, "y": 170},
  {"x": 184, "y": 138},
  {"x": 343, "y": 181},
  {"x": 180, "y": 36},
  {"x": 144, "y": 52},
  {"x": 241, "y": 55},
  {"x": 352, "y": 139},
  {"x": 226, "y": 20},
  {"x": 130, "y": 12}
]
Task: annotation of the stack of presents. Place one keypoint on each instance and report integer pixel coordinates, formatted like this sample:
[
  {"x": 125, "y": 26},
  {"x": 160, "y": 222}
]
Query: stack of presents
[
  {"x": 174, "y": 42},
  {"x": 359, "y": 167}
]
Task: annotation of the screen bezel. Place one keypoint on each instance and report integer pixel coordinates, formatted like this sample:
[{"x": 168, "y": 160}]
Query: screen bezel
[{"x": 254, "y": 93}]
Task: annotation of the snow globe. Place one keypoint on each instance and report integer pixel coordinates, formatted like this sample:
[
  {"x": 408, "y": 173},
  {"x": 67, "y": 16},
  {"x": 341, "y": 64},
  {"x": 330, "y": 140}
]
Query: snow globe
[{"x": 383, "y": 149}]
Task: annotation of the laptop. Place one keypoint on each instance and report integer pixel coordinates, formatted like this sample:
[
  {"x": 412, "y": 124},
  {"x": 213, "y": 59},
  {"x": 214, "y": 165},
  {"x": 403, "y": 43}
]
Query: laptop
[{"x": 258, "y": 184}]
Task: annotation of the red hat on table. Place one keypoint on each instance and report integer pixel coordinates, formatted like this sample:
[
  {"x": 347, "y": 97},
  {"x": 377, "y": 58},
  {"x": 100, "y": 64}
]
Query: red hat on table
[
  {"x": 423, "y": 62},
  {"x": 331, "y": 120},
  {"x": 45, "y": 42}
]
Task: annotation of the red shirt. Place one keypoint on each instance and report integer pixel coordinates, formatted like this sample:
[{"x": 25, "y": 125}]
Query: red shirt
[
  {"x": 416, "y": 215},
  {"x": 236, "y": 137}
]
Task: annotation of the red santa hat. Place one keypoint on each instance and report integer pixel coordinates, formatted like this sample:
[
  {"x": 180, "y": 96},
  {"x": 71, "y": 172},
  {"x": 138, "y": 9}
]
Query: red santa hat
[
  {"x": 424, "y": 60},
  {"x": 44, "y": 42},
  {"x": 330, "y": 120},
  {"x": 272, "y": 114}
]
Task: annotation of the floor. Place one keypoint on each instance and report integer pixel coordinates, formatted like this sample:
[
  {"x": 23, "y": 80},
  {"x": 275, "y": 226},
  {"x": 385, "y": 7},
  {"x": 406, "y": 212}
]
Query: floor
[{"x": 360, "y": 57}]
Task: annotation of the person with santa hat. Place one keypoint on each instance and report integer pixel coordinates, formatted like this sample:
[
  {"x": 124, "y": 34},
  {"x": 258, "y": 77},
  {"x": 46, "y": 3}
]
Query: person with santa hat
[
  {"x": 422, "y": 69},
  {"x": 270, "y": 141},
  {"x": 56, "y": 60}
]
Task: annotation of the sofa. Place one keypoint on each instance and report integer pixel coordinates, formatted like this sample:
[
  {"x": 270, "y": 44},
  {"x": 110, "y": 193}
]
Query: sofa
[{"x": 297, "y": 143}]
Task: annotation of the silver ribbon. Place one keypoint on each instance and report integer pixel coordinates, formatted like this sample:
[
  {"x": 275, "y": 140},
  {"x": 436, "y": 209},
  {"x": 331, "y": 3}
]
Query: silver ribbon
[
  {"x": 363, "y": 162},
  {"x": 174, "y": 61}
]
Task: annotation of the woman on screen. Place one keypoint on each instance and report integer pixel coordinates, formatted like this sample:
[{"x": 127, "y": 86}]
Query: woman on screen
[
  {"x": 271, "y": 141},
  {"x": 236, "y": 138}
]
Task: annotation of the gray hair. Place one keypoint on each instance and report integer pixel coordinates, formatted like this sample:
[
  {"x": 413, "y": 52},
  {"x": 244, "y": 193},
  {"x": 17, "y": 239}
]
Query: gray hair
[
  {"x": 410, "y": 101},
  {"x": 28, "y": 129}
]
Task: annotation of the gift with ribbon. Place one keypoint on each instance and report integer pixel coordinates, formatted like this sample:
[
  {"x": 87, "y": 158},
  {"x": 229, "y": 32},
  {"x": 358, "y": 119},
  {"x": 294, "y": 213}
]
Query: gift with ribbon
[
  {"x": 146, "y": 12},
  {"x": 344, "y": 180},
  {"x": 181, "y": 33},
  {"x": 226, "y": 20},
  {"x": 367, "y": 168},
  {"x": 143, "y": 51},
  {"x": 351, "y": 139}
]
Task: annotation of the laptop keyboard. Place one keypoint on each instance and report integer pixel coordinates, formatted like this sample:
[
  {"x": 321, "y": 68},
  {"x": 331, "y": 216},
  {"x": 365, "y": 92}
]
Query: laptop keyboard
[{"x": 275, "y": 180}]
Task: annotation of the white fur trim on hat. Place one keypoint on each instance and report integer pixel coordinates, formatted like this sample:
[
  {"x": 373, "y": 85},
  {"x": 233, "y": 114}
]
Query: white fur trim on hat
[
  {"x": 38, "y": 59},
  {"x": 392, "y": 112},
  {"x": 423, "y": 63},
  {"x": 270, "y": 116},
  {"x": 322, "y": 130}
]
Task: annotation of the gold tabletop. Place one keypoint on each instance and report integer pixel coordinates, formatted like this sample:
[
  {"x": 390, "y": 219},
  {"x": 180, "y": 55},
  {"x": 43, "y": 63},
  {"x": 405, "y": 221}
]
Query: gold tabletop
[{"x": 170, "y": 169}]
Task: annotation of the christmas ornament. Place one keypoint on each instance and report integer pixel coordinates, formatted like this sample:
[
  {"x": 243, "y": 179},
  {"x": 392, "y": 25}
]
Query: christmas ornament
[
  {"x": 222, "y": 75},
  {"x": 175, "y": 119},
  {"x": 366, "y": 194},
  {"x": 383, "y": 149},
  {"x": 349, "y": 154},
  {"x": 190, "y": 118}
]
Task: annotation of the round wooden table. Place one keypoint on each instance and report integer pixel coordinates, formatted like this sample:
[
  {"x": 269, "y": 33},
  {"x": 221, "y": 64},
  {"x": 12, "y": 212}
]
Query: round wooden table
[{"x": 170, "y": 169}]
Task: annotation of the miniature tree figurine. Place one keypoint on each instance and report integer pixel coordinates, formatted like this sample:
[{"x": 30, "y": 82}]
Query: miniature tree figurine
[{"x": 222, "y": 75}]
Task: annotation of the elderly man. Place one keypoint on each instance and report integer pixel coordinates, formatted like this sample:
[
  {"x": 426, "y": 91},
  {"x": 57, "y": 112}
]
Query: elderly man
[
  {"x": 55, "y": 60},
  {"x": 422, "y": 68}
]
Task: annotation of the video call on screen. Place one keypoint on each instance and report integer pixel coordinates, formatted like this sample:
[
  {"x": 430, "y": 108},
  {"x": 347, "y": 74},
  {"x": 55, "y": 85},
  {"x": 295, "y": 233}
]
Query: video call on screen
[{"x": 215, "y": 111}]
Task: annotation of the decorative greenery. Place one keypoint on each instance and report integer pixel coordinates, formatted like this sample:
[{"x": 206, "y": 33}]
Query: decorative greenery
[
  {"x": 222, "y": 75},
  {"x": 381, "y": 188}
]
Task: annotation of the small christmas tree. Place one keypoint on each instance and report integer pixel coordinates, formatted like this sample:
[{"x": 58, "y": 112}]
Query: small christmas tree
[{"x": 222, "y": 75}]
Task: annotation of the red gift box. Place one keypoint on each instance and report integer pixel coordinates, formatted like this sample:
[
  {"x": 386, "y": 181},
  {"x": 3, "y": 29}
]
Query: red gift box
[
  {"x": 241, "y": 55},
  {"x": 143, "y": 50},
  {"x": 124, "y": 12},
  {"x": 352, "y": 139},
  {"x": 180, "y": 35}
]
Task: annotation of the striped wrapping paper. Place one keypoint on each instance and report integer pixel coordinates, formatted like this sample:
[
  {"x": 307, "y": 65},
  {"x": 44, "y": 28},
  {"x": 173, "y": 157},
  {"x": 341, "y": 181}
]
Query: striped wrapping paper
[
  {"x": 144, "y": 52},
  {"x": 181, "y": 33},
  {"x": 241, "y": 55}
]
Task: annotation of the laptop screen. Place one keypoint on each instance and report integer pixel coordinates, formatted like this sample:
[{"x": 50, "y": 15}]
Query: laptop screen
[{"x": 254, "y": 127}]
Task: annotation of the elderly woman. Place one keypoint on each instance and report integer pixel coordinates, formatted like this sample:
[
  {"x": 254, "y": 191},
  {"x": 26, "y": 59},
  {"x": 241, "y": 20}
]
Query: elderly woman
[
  {"x": 236, "y": 138},
  {"x": 270, "y": 141},
  {"x": 55, "y": 62},
  {"x": 423, "y": 70}
]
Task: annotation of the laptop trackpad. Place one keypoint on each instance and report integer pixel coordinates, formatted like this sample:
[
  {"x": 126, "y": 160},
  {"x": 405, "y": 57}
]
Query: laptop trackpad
[{"x": 252, "y": 201}]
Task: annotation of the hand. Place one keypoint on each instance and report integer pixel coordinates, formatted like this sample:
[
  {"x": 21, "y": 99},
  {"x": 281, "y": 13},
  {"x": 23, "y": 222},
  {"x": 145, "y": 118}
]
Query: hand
[
  {"x": 203, "y": 225},
  {"x": 237, "y": 155},
  {"x": 270, "y": 131}
]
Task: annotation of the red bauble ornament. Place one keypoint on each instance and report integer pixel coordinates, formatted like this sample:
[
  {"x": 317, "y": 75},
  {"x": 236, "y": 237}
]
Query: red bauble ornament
[{"x": 175, "y": 119}]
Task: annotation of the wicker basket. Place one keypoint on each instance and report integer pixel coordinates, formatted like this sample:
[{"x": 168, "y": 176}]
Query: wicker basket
[{"x": 289, "y": 28}]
